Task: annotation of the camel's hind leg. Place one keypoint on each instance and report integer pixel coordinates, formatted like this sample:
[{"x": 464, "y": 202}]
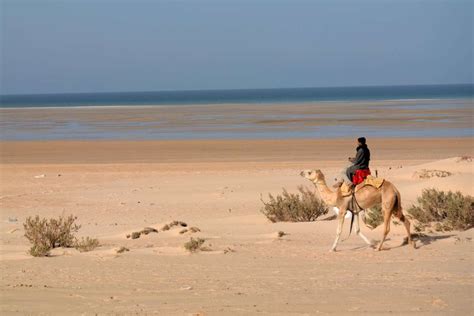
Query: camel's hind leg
[
  {"x": 386, "y": 224},
  {"x": 342, "y": 214},
  {"x": 406, "y": 222},
  {"x": 367, "y": 241}
]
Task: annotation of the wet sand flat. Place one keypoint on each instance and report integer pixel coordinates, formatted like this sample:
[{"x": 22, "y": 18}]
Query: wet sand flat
[{"x": 398, "y": 118}]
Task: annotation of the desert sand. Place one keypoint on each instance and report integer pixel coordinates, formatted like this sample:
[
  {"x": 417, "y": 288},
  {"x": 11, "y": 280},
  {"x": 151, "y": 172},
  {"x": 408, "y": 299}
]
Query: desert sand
[{"x": 115, "y": 188}]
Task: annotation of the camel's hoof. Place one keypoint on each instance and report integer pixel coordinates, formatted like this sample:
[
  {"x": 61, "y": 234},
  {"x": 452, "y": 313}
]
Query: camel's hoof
[{"x": 332, "y": 250}]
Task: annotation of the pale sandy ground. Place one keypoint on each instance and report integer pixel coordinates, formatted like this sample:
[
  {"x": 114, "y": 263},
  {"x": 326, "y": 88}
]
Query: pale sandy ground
[{"x": 216, "y": 186}]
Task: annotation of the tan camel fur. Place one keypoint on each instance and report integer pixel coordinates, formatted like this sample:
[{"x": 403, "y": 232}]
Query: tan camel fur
[{"x": 367, "y": 197}]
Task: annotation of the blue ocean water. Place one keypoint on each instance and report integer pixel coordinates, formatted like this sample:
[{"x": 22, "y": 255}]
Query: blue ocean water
[{"x": 239, "y": 96}]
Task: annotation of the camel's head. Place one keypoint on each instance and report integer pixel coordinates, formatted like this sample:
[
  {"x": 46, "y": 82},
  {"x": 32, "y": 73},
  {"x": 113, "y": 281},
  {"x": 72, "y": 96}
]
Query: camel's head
[{"x": 312, "y": 175}]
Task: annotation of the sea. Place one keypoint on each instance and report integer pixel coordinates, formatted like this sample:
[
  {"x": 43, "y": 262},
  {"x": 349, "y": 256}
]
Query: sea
[
  {"x": 254, "y": 96},
  {"x": 421, "y": 100}
]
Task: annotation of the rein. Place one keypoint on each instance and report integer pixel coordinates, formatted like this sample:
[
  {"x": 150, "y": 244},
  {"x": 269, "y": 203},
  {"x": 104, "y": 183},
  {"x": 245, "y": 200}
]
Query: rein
[{"x": 354, "y": 201}]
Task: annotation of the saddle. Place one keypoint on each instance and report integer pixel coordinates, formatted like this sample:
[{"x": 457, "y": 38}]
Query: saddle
[
  {"x": 347, "y": 190},
  {"x": 360, "y": 175}
]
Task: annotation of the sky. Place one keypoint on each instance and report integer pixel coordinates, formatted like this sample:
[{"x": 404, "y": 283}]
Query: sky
[{"x": 112, "y": 46}]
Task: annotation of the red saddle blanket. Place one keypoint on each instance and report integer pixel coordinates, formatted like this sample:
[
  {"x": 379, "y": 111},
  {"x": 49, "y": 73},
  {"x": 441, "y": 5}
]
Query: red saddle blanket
[{"x": 360, "y": 176}]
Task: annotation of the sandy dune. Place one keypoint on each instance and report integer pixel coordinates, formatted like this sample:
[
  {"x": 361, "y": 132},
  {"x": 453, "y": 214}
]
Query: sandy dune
[{"x": 248, "y": 270}]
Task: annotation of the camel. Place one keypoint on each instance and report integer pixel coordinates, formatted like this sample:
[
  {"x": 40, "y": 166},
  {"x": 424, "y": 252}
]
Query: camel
[{"x": 366, "y": 197}]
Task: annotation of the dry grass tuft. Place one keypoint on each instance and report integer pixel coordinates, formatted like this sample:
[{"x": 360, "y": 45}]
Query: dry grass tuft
[
  {"x": 173, "y": 224},
  {"x": 465, "y": 158},
  {"x": 135, "y": 235},
  {"x": 281, "y": 234},
  {"x": 147, "y": 230},
  {"x": 431, "y": 173},
  {"x": 122, "y": 249},
  {"x": 86, "y": 244},
  {"x": 228, "y": 250},
  {"x": 194, "y": 230},
  {"x": 290, "y": 207},
  {"x": 444, "y": 211},
  {"x": 144, "y": 231},
  {"x": 194, "y": 245},
  {"x": 191, "y": 230}
]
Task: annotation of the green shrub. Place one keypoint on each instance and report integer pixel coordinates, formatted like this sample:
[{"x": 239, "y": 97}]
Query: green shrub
[
  {"x": 290, "y": 207},
  {"x": 46, "y": 234},
  {"x": 374, "y": 217},
  {"x": 39, "y": 250},
  {"x": 445, "y": 210}
]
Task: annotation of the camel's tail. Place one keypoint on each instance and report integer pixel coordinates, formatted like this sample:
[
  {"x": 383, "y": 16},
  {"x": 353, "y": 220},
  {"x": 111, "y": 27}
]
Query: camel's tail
[{"x": 397, "y": 207}]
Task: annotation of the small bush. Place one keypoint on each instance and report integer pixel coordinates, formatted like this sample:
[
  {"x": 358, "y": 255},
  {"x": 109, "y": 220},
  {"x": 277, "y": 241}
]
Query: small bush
[
  {"x": 48, "y": 234},
  {"x": 39, "y": 250},
  {"x": 445, "y": 210},
  {"x": 193, "y": 245},
  {"x": 281, "y": 234},
  {"x": 290, "y": 207},
  {"x": 45, "y": 235},
  {"x": 86, "y": 244},
  {"x": 374, "y": 217}
]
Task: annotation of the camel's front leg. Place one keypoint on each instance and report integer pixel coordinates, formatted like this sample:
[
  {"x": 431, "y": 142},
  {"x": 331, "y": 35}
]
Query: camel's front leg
[
  {"x": 367, "y": 241},
  {"x": 341, "y": 215}
]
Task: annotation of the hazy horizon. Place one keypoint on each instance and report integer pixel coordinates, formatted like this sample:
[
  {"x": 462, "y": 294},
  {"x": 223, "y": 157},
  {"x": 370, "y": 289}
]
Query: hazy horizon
[{"x": 54, "y": 47}]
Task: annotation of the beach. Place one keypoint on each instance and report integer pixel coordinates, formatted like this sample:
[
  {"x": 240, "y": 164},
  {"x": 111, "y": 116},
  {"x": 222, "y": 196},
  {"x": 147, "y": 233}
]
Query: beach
[
  {"x": 116, "y": 187},
  {"x": 193, "y": 158}
]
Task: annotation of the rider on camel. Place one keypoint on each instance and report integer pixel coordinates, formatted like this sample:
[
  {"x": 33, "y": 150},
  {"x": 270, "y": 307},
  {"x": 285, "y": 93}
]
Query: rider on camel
[{"x": 360, "y": 162}]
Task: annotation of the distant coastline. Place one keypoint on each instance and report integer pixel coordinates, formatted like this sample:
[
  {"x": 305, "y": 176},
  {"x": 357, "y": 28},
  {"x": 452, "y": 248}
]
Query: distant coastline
[{"x": 242, "y": 96}]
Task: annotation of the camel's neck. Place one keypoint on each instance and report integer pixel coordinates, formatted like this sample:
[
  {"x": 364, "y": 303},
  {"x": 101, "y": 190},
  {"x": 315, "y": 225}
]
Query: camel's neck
[{"x": 327, "y": 195}]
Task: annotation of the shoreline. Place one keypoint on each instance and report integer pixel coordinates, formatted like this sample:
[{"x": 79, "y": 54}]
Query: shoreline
[{"x": 230, "y": 104}]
